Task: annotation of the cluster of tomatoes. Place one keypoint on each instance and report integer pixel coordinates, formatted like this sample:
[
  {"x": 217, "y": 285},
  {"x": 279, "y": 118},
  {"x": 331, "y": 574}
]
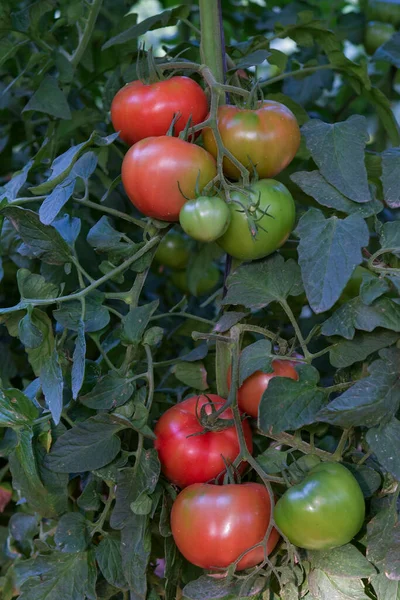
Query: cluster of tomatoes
[
  {"x": 383, "y": 20},
  {"x": 167, "y": 178},
  {"x": 164, "y": 176},
  {"x": 215, "y": 525}
]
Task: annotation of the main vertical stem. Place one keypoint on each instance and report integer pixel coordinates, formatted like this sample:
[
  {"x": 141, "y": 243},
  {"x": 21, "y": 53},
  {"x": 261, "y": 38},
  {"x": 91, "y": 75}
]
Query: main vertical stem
[{"x": 212, "y": 45}]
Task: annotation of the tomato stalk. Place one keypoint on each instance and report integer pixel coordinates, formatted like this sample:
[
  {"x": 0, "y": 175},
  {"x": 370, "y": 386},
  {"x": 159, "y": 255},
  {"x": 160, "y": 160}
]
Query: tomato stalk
[{"x": 212, "y": 45}]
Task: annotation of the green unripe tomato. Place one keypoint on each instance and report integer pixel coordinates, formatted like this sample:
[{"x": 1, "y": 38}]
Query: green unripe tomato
[
  {"x": 387, "y": 11},
  {"x": 205, "y": 284},
  {"x": 173, "y": 251},
  {"x": 273, "y": 211},
  {"x": 376, "y": 34},
  {"x": 205, "y": 219},
  {"x": 324, "y": 511}
]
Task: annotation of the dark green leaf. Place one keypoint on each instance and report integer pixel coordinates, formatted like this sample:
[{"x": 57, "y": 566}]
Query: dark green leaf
[
  {"x": 329, "y": 251},
  {"x": 102, "y": 235},
  {"x": 109, "y": 559},
  {"x": 256, "y": 357},
  {"x": 392, "y": 563},
  {"x": 353, "y": 315},
  {"x": 338, "y": 150},
  {"x": 59, "y": 575},
  {"x": 56, "y": 200},
  {"x": 133, "y": 482},
  {"x": 383, "y": 107},
  {"x": 72, "y": 533},
  {"x": 96, "y": 315},
  {"x": 371, "y": 400},
  {"x": 384, "y": 442},
  {"x": 136, "y": 321},
  {"x": 372, "y": 287},
  {"x": 142, "y": 505},
  {"x": 192, "y": 374},
  {"x": 16, "y": 409},
  {"x": 386, "y": 589},
  {"x": 287, "y": 404},
  {"x": 43, "y": 240},
  {"x": 51, "y": 379},
  {"x": 313, "y": 184},
  {"x": 78, "y": 366},
  {"x": 273, "y": 460},
  {"x": 164, "y": 19},
  {"x": 90, "y": 497},
  {"x": 327, "y": 587},
  {"x": 49, "y": 99},
  {"x": 228, "y": 320},
  {"x": 254, "y": 58},
  {"x": 368, "y": 479},
  {"x": 258, "y": 284},
  {"x": 390, "y": 236},
  {"x": 110, "y": 391},
  {"x": 136, "y": 544},
  {"x": 87, "y": 446},
  {"x": 390, "y": 51},
  {"x": 69, "y": 228},
  {"x": 31, "y": 285},
  {"x": 346, "y": 561},
  {"x": 11, "y": 189},
  {"x": 347, "y": 352},
  {"x": 379, "y": 533},
  {"x": 391, "y": 174}
]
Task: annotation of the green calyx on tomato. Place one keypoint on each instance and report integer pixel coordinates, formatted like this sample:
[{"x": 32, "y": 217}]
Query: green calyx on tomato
[
  {"x": 387, "y": 11},
  {"x": 205, "y": 219},
  {"x": 273, "y": 214},
  {"x": 173, "y": 251},
  {"x": 187, "y": 458},
  {"x": 203, "y": 285},
  {"x": 376, "y": 34},
  {"x": 251, "y": 391},
  {"x": 160, "y": 173},
  {"x": 324, "y": 511},
  {"x": 139, "y": 111},
  {"x": 265, "y": 139},
  {"x": 213, "y": 525}
]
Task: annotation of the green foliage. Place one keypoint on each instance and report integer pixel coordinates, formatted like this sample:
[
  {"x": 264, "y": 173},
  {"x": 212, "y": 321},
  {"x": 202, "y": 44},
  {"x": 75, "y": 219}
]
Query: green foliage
[{"x": 96, "y": 342}]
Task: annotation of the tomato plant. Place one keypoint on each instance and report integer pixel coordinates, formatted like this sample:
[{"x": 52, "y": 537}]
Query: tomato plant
[
  {"x": 376, "y": 34},
  {"x": 213, "y": 525},
  {"x": 187, "y": 454},
  {"x": 324, "y": 511},
  {"x": 251, "y": 391},
  {"x": 173, "y": 251},
  {"x": 140, "y": 111},
  {"x": 160, "y": 173},
  {"x": 265, "y": 139},
  {"x": 205, "y": 219},
  {"x": 272, "y": 210},
  {"x": 387, "y": 11}
]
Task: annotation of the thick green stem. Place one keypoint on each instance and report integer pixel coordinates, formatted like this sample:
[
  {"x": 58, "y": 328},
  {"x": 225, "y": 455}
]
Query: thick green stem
[
  {"x": 212, "y": 44},
  {"x": 87, "y": 34}
]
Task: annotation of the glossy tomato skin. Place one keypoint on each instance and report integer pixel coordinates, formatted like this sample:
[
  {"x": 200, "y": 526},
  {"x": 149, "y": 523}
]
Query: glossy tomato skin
[
  {"x": 205, "y": 284},
  {"x": 160, "y": 173},
  {"x": 173, "y": 251},
  {"x": 205, "y": 219},
  {"x": 212, "y": 525},
  {"x": 376, "y": 34},
  {"x": 139, "y": 111},
  {"x": 198, "y": 458},
  {"x": 324, "y": 511},
  {"x": 273, "y": 198},
  {"x": 251, "y": 391},
  {"x": 266, "y": 139}
]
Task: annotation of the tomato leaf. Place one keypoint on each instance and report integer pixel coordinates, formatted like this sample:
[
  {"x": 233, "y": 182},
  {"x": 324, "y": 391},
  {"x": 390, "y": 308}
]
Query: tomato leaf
[
  {"x": 329, "y": 251},
  {"x": 353, "y": 315},
  {"x": 109, "y": 392},
  {"x": 256, "y": 357},
  {"x": 380, "y": 533},
  {"x": 325, "y": 587},
  {"x": 347, "y": 352},
  {"x": 371, "y": 400},
  {"x": 109, "y": 559},
  {"x": 338, "y": 150},
  {"x": 192, "y": 374},
  {"x": 96, "y": 315},
  {"x": 346, "y": 561},
  {"x": 49, "y": 99},
  {"x": 136, "y": 321},
  {"x": 136, "y": 542},
  {"x": 16, "y": 410},
  {"x": 390, "y": 175},
  {"x": 51, "y": 379},
  {"x": 313, "y": 184},
  {"x": 287, "y": 404},
  {"x": 384, "y": 441},
  {"x": 72, "y": 533},
  {"x": 78, "y": 365},
  {"x": 87, "y": 446},
  {"x": 390, "y": 51},
  {"x": 258, "y": 284}
]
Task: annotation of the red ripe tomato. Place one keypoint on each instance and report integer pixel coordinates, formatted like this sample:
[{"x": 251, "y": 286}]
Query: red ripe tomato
[
  {"x": 213, "y": 525},
  {"x": 252, "y": 389},
  {"x": 265, "y": 139},
  {"x": 139, "y": 111},
  {"x": 186, "y": 458},
  {"x": 160, "y": 173}
]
